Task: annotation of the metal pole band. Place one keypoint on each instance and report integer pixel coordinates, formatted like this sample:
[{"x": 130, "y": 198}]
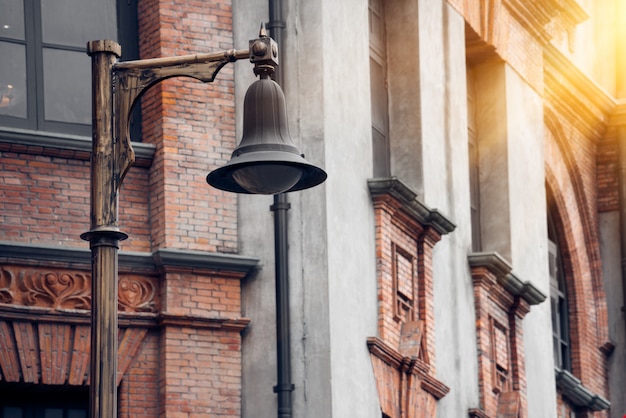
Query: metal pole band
[
  {"x": 104, "y": 236},
  {"x": 284, "y": 388},
  {"x": 112, "y": 47}
]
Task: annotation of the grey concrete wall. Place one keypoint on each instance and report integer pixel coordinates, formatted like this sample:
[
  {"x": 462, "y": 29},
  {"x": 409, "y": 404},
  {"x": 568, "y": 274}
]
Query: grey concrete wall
[
  {"x": 331, "y": 243},
  {"x": 445, "y": 179},
  {"x": 611, "y": 272},
  {"x": 513, "y": 208},
  {"x": 529, "y": 246}
]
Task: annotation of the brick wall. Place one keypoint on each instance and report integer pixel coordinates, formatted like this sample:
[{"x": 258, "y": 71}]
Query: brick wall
[
  {"x": 182, "y": 355},
  {"x": 192, "y": 125},
  {"x": 45, "y": 199}
]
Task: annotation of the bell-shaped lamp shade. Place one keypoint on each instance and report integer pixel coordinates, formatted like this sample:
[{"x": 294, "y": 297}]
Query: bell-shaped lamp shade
[{"x": 266, "y": 161}]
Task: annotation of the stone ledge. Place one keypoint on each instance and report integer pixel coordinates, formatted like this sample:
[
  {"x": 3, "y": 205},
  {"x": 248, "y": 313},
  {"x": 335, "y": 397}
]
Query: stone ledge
[
  {"x": 572, "y": 388},
  {"x": 62, "y": 145},
  {"x": 503, "y": 271},
  {"x": 159, "y": 259},
  {"x": 418, "y": 210}
]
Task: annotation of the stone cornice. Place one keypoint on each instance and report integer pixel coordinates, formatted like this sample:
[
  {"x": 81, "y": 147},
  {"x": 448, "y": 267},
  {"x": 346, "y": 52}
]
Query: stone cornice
[
  {"x": 575, "y": 96},
  {"x": 160, "y": 259},
  {"x": 62, "y": 145},
  {"x": 502, "y": 269},
  {"x": 572, "y": 388},
  {"x": 537, "y": 16},
  {"x": 125, "y": 319},
  {"x": 618, "y": 117},
  {"x": 426, "y": 216},
  {"x": 392, "y": 357}
]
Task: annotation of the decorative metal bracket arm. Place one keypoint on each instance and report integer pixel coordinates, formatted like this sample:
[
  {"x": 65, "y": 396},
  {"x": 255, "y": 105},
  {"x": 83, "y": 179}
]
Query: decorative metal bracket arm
[{"x": 131, "y": 79}]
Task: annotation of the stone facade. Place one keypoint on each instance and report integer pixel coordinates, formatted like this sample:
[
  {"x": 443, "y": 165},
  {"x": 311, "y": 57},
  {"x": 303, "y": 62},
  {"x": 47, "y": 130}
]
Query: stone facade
[{"x": 428, "y": 291}]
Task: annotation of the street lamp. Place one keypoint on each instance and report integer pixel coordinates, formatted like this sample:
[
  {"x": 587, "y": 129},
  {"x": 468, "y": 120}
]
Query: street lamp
[{"x": 266, "y": 162}]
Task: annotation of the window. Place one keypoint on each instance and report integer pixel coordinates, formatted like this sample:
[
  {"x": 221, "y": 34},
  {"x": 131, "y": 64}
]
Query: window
[
  {"x": 43, "y": 401},
  {"x": 473, "y": 163},
  {"x": 45, "y": 74},
  {"x": 558, "y": 304},
  {"x": 378, "y": 88}
]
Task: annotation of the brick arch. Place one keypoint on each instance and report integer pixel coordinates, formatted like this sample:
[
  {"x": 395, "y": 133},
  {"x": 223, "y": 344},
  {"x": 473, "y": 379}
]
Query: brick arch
[
  {"x": 55, "y": 353},
  {"x": 590, "y": 232},
  {"x": 575, "y": 285},
  {"x": 587, "y": 359}
]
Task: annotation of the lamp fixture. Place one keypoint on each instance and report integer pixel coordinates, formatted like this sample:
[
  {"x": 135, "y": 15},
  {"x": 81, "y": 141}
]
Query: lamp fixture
[{"x": 266, "y": 160}]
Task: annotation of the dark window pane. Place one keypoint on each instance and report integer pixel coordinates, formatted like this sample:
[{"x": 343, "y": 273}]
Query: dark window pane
[
  {"x": 11, "y": 412},
  {"x": 13, "y": 80},
  {"x": 12, "y": 19},
  {"x": 76, "y": 413},
  {"x": 74, "y": 22},
  {"x": 67, "y": 86},
  {"x": 53, "y": 413}
]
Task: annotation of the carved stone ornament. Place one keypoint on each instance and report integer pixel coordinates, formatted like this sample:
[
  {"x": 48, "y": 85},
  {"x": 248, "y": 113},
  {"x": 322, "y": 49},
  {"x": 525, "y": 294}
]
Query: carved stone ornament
[
  {"x": 136, "y": 294},
  {"x": 56, "y": 290},
  {"x": 65, "y": 289},
  {"x": 6, "y": 279}
]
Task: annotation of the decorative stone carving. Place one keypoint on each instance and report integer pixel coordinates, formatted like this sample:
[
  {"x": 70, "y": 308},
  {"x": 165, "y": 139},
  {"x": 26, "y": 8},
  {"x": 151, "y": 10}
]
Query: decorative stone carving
[
  {"x": 136, "y": 294},
  {"x": 65, "y": 289},
  {"x": 6, "y": 279},
  {"x": 56, "y": 290}
]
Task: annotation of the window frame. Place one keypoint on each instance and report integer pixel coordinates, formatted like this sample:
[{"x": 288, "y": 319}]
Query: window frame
[
  {"x": 127, "y": 34},
  {"x": 559, "y": 308}
]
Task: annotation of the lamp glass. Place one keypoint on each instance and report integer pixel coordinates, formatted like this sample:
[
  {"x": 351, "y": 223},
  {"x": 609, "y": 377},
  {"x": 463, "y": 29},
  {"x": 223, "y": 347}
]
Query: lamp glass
[{"x": 267, "y": 178}]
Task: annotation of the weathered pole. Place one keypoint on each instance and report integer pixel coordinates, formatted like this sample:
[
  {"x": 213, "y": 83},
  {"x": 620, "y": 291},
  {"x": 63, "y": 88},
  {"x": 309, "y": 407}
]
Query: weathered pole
[{"x": 104, "y": 235}]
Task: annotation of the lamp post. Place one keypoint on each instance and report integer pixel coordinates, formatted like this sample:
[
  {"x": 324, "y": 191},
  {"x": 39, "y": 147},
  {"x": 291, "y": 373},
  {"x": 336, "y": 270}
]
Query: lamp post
[{"x": 266, "y": 162}]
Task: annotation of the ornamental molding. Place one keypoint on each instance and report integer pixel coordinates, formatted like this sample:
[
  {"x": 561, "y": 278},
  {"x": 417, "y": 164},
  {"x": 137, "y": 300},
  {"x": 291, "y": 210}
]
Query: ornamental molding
[
  {"x": 54, "y": 353},
  {"x": 407, "y": 365},
  {"x": 575, "y": 97},
  {"x": 543, "y": 18},
  {"x": 59, "y": 289},
  {"x": 409, "y": 203},
  {"x": 164, "y": 259},
  {"x": 572, "y": 388},
  {"x": 503, "y": 271}
]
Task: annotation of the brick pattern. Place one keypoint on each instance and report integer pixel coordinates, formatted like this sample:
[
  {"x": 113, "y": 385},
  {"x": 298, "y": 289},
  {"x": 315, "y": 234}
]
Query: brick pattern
[
  {"x": 201, "y": 295},
  {"x": 139, "y": 388},
  {"x": 192, "y": 125},
  {"x": 200, "y": 373},
  {"x": 405, "y": 313},
  {"x": 500, "y": 341},
  {"x": 45, "y": 199},
  {"x": 189, "y": 366},
  {"x": 497, "y": 25},
  {"x": 182, "y": 355},
  {"x": 607, "y": 174},
  {"x": 402, "y": 395},
  {"x": 54, "y": 352},
  {"x": 567, "y": 177}
]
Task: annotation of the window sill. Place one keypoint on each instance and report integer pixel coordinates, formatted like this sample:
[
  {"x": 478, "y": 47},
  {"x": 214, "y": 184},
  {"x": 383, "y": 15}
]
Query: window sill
[
  {"x": 62, "y": 145},
  {"x": 572, "y": 388}
]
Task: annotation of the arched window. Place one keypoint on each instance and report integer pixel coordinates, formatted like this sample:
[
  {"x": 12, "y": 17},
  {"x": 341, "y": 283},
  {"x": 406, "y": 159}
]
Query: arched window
[{"x": 558, "y": 301}]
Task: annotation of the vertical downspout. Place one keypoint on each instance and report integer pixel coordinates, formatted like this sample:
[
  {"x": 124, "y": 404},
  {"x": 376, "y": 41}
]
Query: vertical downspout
[
  {"x": 621, "y": 140},
  {"x": 621, "y": 145},
  {"x": 281, "y": 205}
]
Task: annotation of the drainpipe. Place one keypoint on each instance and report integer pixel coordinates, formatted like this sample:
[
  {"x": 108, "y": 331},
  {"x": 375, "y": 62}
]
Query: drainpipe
[
  {"x": 281, "y": 205},
  {"x": 621, "y": 144}
]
